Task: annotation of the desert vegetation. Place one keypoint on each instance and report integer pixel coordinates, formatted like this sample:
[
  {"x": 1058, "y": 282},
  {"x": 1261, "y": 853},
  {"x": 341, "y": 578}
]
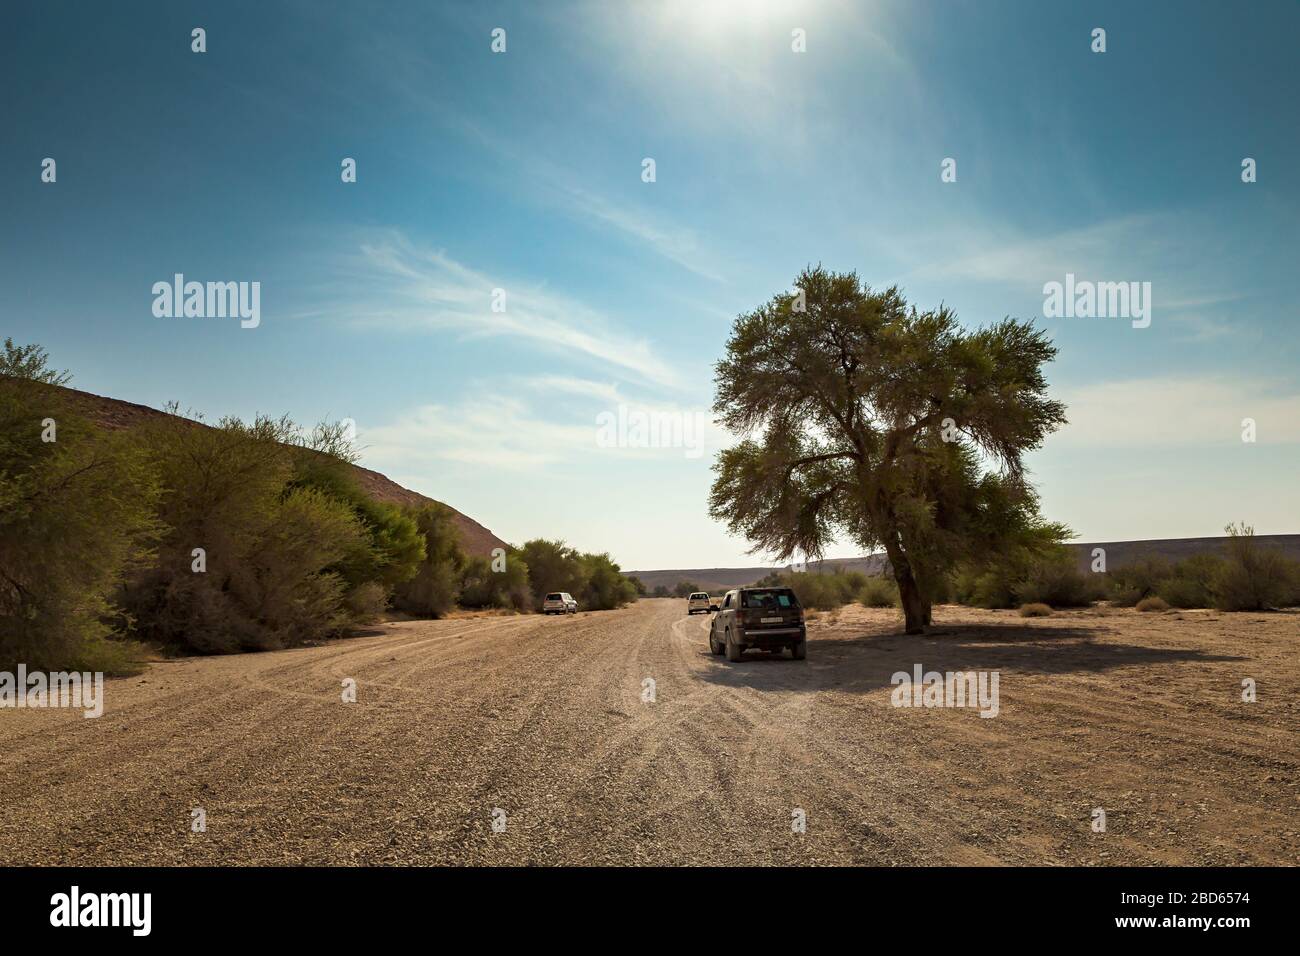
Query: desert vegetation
[
  {"x": 76, "y": 508},
  {"x": 1245, "y": 576},
  {"x": 221, "y": 538},
  {"x": 829, "y": 590}
]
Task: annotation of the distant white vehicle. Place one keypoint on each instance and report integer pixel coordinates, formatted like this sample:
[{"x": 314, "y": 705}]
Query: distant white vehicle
[
  {"x": 559, "y": 602},
  {"x": 699, "y": 601}
]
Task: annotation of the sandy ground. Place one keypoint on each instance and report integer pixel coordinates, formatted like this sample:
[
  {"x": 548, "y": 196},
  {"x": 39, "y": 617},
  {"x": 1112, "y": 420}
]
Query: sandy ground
[{"x": 1138, "y": 714}]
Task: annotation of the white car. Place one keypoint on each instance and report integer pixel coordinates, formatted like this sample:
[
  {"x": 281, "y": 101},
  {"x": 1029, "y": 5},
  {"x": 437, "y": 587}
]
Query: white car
[
  {"x": 559, "y": 602},
  {"x": 699, "y": 601}
]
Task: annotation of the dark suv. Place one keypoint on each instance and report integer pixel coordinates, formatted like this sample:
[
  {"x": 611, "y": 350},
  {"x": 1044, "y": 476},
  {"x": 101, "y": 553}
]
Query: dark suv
[{"x": 766, "y": 618}]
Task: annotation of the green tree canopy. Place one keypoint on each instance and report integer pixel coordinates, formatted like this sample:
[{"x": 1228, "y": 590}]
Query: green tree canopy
[{"x": 863, "y": 417}]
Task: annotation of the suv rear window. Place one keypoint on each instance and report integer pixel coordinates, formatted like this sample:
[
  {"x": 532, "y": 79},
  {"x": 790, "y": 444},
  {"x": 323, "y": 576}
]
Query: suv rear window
[
  {"x": 773, "y": 598},
  {"x": 556, "y": 596},
  {"x": 699, "y": 594}
]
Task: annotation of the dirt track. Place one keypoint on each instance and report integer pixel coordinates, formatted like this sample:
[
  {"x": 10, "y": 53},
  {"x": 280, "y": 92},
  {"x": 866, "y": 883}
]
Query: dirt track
[{"x": 1138, "y": 714}]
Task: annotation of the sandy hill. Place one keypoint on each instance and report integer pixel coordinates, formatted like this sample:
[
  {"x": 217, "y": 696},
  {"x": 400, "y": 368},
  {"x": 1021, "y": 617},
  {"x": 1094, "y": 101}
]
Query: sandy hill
[
  {"x": 111, "y": 413},
  {"x": 716, "y": 580}
]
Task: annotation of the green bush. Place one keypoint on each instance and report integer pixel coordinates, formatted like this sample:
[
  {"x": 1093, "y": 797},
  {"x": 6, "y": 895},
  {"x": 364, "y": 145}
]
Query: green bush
[
  {"x": 432, "y": 590},
  {"x": 983, "y": 587},
  {"x": 1191, "y": 581},
  {"x": 500, "y": 582},
  {"x": 1139, "y": 578},
  {"x": 606, "y": 587},
  {"x": 879, "y": 592},
  {"x": 1054, "y": 580},
  {"x": 820, "y": 590},
  {"x": 1046, "y": 575},
  {"x": 267, "y": 576},
  {"x": 1253, "y": 577},
  {"x": 365, "y": 603},
  {"x": 75, "y": 514},
  {"x": 394, "y": 548}
]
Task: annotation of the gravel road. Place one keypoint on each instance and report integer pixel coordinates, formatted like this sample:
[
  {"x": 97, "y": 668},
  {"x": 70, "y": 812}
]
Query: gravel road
[{"x": 543, "y": 721}]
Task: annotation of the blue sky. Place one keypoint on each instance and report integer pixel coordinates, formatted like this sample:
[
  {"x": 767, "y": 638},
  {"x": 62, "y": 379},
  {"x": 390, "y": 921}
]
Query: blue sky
[{"x": 522, "y": 171}]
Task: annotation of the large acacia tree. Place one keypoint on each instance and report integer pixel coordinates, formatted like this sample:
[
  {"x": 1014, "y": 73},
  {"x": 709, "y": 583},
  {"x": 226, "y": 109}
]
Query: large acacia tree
[{"x": 863, "y": 417}]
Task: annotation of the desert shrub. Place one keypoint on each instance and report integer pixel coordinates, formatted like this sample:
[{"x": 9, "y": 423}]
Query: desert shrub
[
  {"x": 661, "y": 591},
  {"x": 394, "y": 548},
  {"x": 822, "y": 590},
  {"x": 983, "y": 587},
  {"x": 1045, "y": 574},
  {"x": 1139, "y": 578},
  {"x": 267, "y": 573},
  {"x": 686, "y": 589},
  {"x": 1191, "y": 581},
  {"x": 75, "y": 513},
  {"x": 1183, "y": 592},
  {"x": 365, "y": 603},
  {"x": 553, "y": 566},
  {"x": 1253, "y": 577},
  {"x": 606, "y": 586},
  {"x": 432, "y": 590},
  {"x": 288, "y": 578},
  {"x": 483, "y": 586},
  {"x": 879, "y": 591},
  {"x": 1151, "y": 604},
  {"x": 1035, "y": 610},
  {"x": 1054, "y": 579}
]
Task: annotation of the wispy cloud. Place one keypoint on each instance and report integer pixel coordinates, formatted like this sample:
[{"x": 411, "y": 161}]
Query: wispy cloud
[
  {"x": 1177, "y": 252},
  {"x": 574, "y": 386},
  {"x": 509, "y": 433},
  {"x": 492, "y": 431},
  {"x": 675, "y": 244},
  {"x": 1173, "y": 411},
  {"x": 427, "y": 287}
]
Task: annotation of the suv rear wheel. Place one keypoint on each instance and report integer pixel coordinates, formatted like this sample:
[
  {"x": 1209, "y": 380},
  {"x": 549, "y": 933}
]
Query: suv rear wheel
[
  {"x": 734, "y": 650},
  {"x": 799, "y": 652}
]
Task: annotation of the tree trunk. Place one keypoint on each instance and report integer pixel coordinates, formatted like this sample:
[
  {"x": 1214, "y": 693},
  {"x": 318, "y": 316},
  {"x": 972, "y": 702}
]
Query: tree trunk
[
  {"x": 916, "y": 609},
  {"x": 916, "y": 606}
]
